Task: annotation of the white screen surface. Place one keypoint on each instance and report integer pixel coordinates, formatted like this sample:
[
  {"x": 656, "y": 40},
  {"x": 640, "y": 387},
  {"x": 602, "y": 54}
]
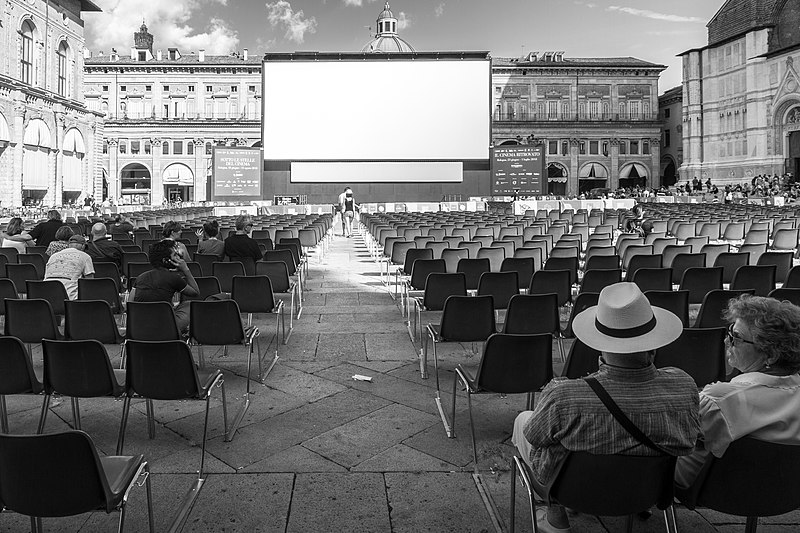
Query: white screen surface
[{"x": 376, "y": 110}]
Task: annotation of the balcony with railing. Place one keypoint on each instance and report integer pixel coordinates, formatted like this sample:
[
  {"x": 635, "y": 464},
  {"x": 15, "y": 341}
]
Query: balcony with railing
[{"x": 575, "y": 117}]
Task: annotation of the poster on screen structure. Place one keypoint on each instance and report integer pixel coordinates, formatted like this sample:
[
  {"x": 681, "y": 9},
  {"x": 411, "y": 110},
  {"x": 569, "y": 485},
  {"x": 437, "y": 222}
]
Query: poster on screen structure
[
  {"x": 236, "y": 173},
  {"x": 518, "y": 169}
]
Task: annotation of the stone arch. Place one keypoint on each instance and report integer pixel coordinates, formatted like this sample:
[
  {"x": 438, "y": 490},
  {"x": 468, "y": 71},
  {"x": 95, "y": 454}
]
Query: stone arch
[{"x": 783, "y": 111}]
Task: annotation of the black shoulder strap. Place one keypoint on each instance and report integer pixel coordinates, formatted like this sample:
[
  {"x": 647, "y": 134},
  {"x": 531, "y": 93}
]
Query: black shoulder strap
[{"x": 626, "y": 423}]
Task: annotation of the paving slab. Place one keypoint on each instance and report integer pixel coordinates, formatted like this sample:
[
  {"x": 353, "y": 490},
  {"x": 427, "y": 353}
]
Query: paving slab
[
  {"x": 356, "y": 441},
  {"x": 353, "y": 502},
  {"x": 236, "y": 503},
  {"x": 436, "y": 502}
]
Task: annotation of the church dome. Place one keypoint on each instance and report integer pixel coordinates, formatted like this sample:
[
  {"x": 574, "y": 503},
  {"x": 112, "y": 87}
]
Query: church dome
[{"x": 386, "y": 39}]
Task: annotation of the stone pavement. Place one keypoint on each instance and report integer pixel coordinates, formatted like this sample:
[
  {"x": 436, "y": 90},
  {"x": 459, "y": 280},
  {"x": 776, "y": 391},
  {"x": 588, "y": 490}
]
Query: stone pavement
[{"x": 319, "y": 451}]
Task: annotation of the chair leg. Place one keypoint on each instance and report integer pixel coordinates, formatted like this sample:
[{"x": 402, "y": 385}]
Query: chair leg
[
  {"x": 751, "y": 525},
  {"x": 669, "y": 519},
  {"x": 522, "y": 469},
  {"x": 151, "y": 423},
  {"x": 76, "y": 413},
  {"x": 43, "y": 414},
  {"x": 203, "y": 446},
  {"x": 423, "y": 359},
  {"x": 452, "y": 433},
  {"x": 149, "y": 491},
  {"x": 3, "y": 414},
  {"x": 471, "y": 429},
  {"x": 36, "y": 524},
  {"x": 126, "y": 405},
  {"x": 561, "y": 348},
  {"x": 629, "y": 524}
]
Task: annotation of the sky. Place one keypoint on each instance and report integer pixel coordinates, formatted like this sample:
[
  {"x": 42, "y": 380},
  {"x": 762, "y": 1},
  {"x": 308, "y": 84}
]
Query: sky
[{"x": 652, "y": 30}]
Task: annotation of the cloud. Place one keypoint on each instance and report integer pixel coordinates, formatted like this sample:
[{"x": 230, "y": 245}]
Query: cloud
[
  {"x": 356, "y": 3},
  {"x": 280, "y": 13},
  {"x": 439, "y": 11},
  {"x": 646, "y": 13},
  {"x": 403, "y": 21},
  {"x": 585, "y": 4},
  {"x": 167, "y": 21}
]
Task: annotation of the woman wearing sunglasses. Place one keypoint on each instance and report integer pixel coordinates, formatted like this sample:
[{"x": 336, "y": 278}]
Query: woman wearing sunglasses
[{"x": 763, "y": 343}]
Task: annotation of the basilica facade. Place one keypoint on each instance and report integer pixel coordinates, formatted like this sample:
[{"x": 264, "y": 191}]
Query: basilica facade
[
  {"x": 49, "y": 140},
  {"x": 741, "y": 94}
]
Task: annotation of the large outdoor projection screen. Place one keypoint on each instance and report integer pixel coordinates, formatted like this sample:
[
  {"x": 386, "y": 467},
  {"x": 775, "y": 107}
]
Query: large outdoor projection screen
[{"x": 376, "y": 117}]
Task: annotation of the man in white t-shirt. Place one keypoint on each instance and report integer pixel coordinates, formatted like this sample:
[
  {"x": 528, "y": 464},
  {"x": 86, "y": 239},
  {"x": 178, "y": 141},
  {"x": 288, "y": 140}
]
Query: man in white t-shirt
[{"x": 70, "y": 264}]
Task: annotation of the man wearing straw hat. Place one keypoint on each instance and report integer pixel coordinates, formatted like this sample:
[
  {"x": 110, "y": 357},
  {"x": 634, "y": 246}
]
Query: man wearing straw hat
[{"x": 569, "y": 415}]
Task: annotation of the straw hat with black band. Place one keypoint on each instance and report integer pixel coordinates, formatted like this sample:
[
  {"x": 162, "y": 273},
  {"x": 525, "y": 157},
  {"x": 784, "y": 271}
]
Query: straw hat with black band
[{"x": 623, "y": 321}]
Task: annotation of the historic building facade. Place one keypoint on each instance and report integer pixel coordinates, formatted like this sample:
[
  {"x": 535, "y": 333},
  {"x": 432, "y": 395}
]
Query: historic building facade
[
  {"x": 670, "y": 113},
  {"x": 596, "y": 118},
  {"x": 741, "y": 94},
  {"x": 164, "y": 113},
  {"x": 49, "y": 140}
]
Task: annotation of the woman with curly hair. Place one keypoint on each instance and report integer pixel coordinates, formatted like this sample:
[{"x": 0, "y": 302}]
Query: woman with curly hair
[
  {"x": 62, "y": 240},
  {"x": 763, "y": 402}
]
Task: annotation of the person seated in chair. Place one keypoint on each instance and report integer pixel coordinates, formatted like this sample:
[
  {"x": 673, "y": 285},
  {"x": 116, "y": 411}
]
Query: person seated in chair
[
  {"x": 102, "y": 248},
  {"x": 763, "y": 401},
  {"x": 170, "y": 275},
  {"x": 569, "y": 416},
  {"x": 240, "y": 246},
  {"x": 70, "y": 264}
]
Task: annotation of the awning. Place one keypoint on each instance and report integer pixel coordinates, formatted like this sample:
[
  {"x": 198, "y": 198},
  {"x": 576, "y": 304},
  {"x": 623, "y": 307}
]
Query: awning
[
  {"x": 593, "y": 171},
  {"x": 634, "y": 170},
  {"x": 557, "y": 179},
  {"x": 73, "y": 142},
  {"x": 37, "y": 134},
  {"x": 178, "y": 174},
  {"x": 556, "y": 173}
]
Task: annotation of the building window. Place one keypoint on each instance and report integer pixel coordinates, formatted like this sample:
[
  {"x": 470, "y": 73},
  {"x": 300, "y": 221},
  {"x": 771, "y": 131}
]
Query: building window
[
  {"x": 564, "y": 109},
  {"x": 552, "y": 147},
  {"x": 191, "y": 88},
  {"x": 251, "y": 88},
  {"x": 634, "y": 148},
  {"x": 564, "y": 148},
  {"x": 105, "y": 147},
  {"x": 135, "y": 147},
  {"x": 147, "y": 147},
  {"x": 605, "y": 148},
  {"x": 123, "y": 147},
  {"x": 594, "y": 147},
  {"x": 177, "y": 147},
  {"x": 594, "y": 108},
  {"x": 166, "y": 111},
  {"x": 123, "y": 88},
  {"x": 142, "y": 55},
  {"x": 190, "y": 148},
  {"x": 234, "y": 88},
  {"x": 552, "y": 109},
  {"x": 209, "y": 89},
  {"x": 635, "y": 107},
  {"x": 623, "y": 148},
  {"x": 645, "y": 147},
  {"x": 166, "y": 88},
  {"x": 666, "y": 113},
  {"x": 208, "y": 148},
  {"x": 26, "y": 62},
  {"x": 148, "y": 88},
  {"x": 666, "y": 138},
  {"x": 582, "y": 148},
  {"x": 165, "y": 147},
  {"x": 105, "y": 88},
  {"x": 62, "y": 69}
]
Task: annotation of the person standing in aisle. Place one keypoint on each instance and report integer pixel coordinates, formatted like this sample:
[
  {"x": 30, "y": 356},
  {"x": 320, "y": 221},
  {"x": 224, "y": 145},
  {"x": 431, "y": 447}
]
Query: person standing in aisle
[{"x": 348, "y": 212}]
